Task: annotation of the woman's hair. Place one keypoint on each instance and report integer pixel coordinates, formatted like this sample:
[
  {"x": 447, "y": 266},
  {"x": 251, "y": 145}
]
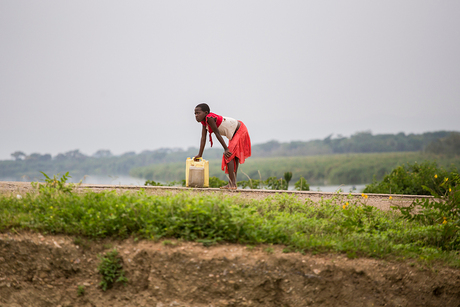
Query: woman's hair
[{"x": 204, "y": 107}]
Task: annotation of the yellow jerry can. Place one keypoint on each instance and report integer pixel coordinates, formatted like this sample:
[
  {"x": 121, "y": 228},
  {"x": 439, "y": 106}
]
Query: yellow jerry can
[{"x": 197, "y": 173}]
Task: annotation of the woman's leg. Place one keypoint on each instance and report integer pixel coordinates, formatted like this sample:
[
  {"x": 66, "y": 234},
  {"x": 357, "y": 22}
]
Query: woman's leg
[
  {"x": 232, "y": 172},
  {"x": 236, "y": 168},
  {"x": 231, "y": 175}
]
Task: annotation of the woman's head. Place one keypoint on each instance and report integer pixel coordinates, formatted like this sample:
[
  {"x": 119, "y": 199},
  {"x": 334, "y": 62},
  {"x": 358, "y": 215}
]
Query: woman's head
[
  {"x": 204, "y": 107},
  {"x": 201, "y": 111}
]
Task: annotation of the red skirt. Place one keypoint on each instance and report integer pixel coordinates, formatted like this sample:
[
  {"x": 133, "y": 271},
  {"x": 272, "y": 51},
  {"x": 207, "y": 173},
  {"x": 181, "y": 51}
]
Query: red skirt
[{"x": 239, "y": 146}]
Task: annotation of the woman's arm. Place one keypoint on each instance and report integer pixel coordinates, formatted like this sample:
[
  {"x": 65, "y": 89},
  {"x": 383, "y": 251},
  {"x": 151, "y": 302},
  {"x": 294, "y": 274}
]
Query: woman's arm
[
  {"x": 213, "y": 125},
  {"x": 202, "y": 143}
]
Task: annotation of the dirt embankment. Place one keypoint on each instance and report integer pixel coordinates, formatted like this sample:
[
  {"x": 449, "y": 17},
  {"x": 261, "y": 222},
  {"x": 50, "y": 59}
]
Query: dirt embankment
[
  {"x": 46, "y": 270},
  {"x": 37, "y": 270}
]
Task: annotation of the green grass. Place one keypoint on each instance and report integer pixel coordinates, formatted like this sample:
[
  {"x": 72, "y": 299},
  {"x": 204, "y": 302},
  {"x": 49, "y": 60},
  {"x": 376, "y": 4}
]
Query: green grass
[
  {"x": 325, "y": 226},
  {"x": 325, "y": 169},
  {"x": 111, "y": 269},
  {"x": 80, "y": 290}
]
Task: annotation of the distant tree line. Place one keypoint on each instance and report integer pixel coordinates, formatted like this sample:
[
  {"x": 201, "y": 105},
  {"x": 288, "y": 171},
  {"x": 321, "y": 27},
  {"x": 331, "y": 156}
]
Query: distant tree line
[
  {"x": 103, "y": 162},
  {"x": 439, "y": 142},
  {"x": 336, "y": 169}
]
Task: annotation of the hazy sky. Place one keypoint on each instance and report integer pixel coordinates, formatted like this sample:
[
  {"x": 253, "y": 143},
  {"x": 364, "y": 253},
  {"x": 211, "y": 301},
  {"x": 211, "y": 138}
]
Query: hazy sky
[{"x": 126, "y": 75}]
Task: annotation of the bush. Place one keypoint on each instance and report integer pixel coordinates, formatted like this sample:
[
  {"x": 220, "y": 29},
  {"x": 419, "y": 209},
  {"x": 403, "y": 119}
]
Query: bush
[
  {"x": 410, "y": 179},
  {"x": 442, "y": 212}
]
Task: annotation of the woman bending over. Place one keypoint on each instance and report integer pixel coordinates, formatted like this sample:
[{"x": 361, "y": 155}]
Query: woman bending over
[{"x": 239, "y": 145}]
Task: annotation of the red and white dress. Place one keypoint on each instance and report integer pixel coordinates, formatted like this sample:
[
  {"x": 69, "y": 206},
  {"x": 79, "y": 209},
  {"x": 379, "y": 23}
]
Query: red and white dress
[{"x": 239, "y": 143}]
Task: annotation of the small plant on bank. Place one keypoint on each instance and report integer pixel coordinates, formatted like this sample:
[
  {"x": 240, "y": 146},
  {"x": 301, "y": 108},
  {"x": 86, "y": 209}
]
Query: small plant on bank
[
  {"x": 215, "y": 182},
  {"x": 274, "y": 183},
  {"x": 159, "y": 184},
  {"x": 207, "y": 243},
  {"x": 302, "y": 185},
  {"x": 250, "y": 184},
  {"x": 168, "y": 243},
  {"x": 80, "y": 290},
  {"x": 287, "y": 178},
  {"x": 153, "y": 183},
  {"x": 54, "y": 185},
  {"x": 111, "y": 269}
]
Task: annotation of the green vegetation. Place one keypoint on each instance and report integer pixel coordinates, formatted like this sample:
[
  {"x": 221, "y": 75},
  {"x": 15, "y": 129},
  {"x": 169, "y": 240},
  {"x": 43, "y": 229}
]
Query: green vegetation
[
  {"x": 111, "y": 269},
  {"x": 168, "y": 243},
  {"x": 448, "y": 145},
  {"x": 302, "y": 185},
  {"x": 80, "y": 290},
  {"x": 274, "y": 183},
  {"x": 271, "y": 183},
  {"x": 413, "y": 179},
  {"x": 159, "y": 184},
  {"x": 55, "y": 184},
  {"x": 340, "y": 224},
  {"x": 442, "y": 210},
  {"x": 104, "y": 163},
  {"x": 250, "y": 184},
  {"x": 215, "y": 182},
  {"x": 153, "y": 183},
  {"x": 360, "y": 142},
  {"x": 325, "y": 169}
]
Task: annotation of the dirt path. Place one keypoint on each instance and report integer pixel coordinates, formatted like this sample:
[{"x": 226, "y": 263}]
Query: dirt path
[{"x": 45, "y": 270}]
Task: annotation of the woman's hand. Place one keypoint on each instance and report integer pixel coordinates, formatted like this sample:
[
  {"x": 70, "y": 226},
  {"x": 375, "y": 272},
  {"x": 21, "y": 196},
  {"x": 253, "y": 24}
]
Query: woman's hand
[
  {"x": 227, "y": 153},
  {"x": 197, "y": 157}
]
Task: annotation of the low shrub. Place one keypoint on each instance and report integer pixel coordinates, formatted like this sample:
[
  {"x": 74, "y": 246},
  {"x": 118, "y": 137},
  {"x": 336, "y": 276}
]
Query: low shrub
[
  {"x": 410, "y": 179},
  {"x": 442, "y": 212}
]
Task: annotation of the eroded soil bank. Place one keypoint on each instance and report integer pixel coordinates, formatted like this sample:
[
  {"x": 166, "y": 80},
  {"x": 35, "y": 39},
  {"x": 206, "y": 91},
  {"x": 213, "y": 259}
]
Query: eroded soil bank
[{"x": 45, "y": 270}]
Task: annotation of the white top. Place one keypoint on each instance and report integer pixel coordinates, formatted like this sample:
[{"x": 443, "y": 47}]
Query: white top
[{"x": 227, "y": 127}]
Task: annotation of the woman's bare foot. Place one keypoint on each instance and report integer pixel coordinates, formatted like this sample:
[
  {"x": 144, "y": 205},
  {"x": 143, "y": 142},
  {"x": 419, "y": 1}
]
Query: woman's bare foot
[{"x": 228, "y": 187}]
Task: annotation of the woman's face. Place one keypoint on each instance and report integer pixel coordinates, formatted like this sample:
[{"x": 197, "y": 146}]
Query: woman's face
[{"x": 199, "y": 114}]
